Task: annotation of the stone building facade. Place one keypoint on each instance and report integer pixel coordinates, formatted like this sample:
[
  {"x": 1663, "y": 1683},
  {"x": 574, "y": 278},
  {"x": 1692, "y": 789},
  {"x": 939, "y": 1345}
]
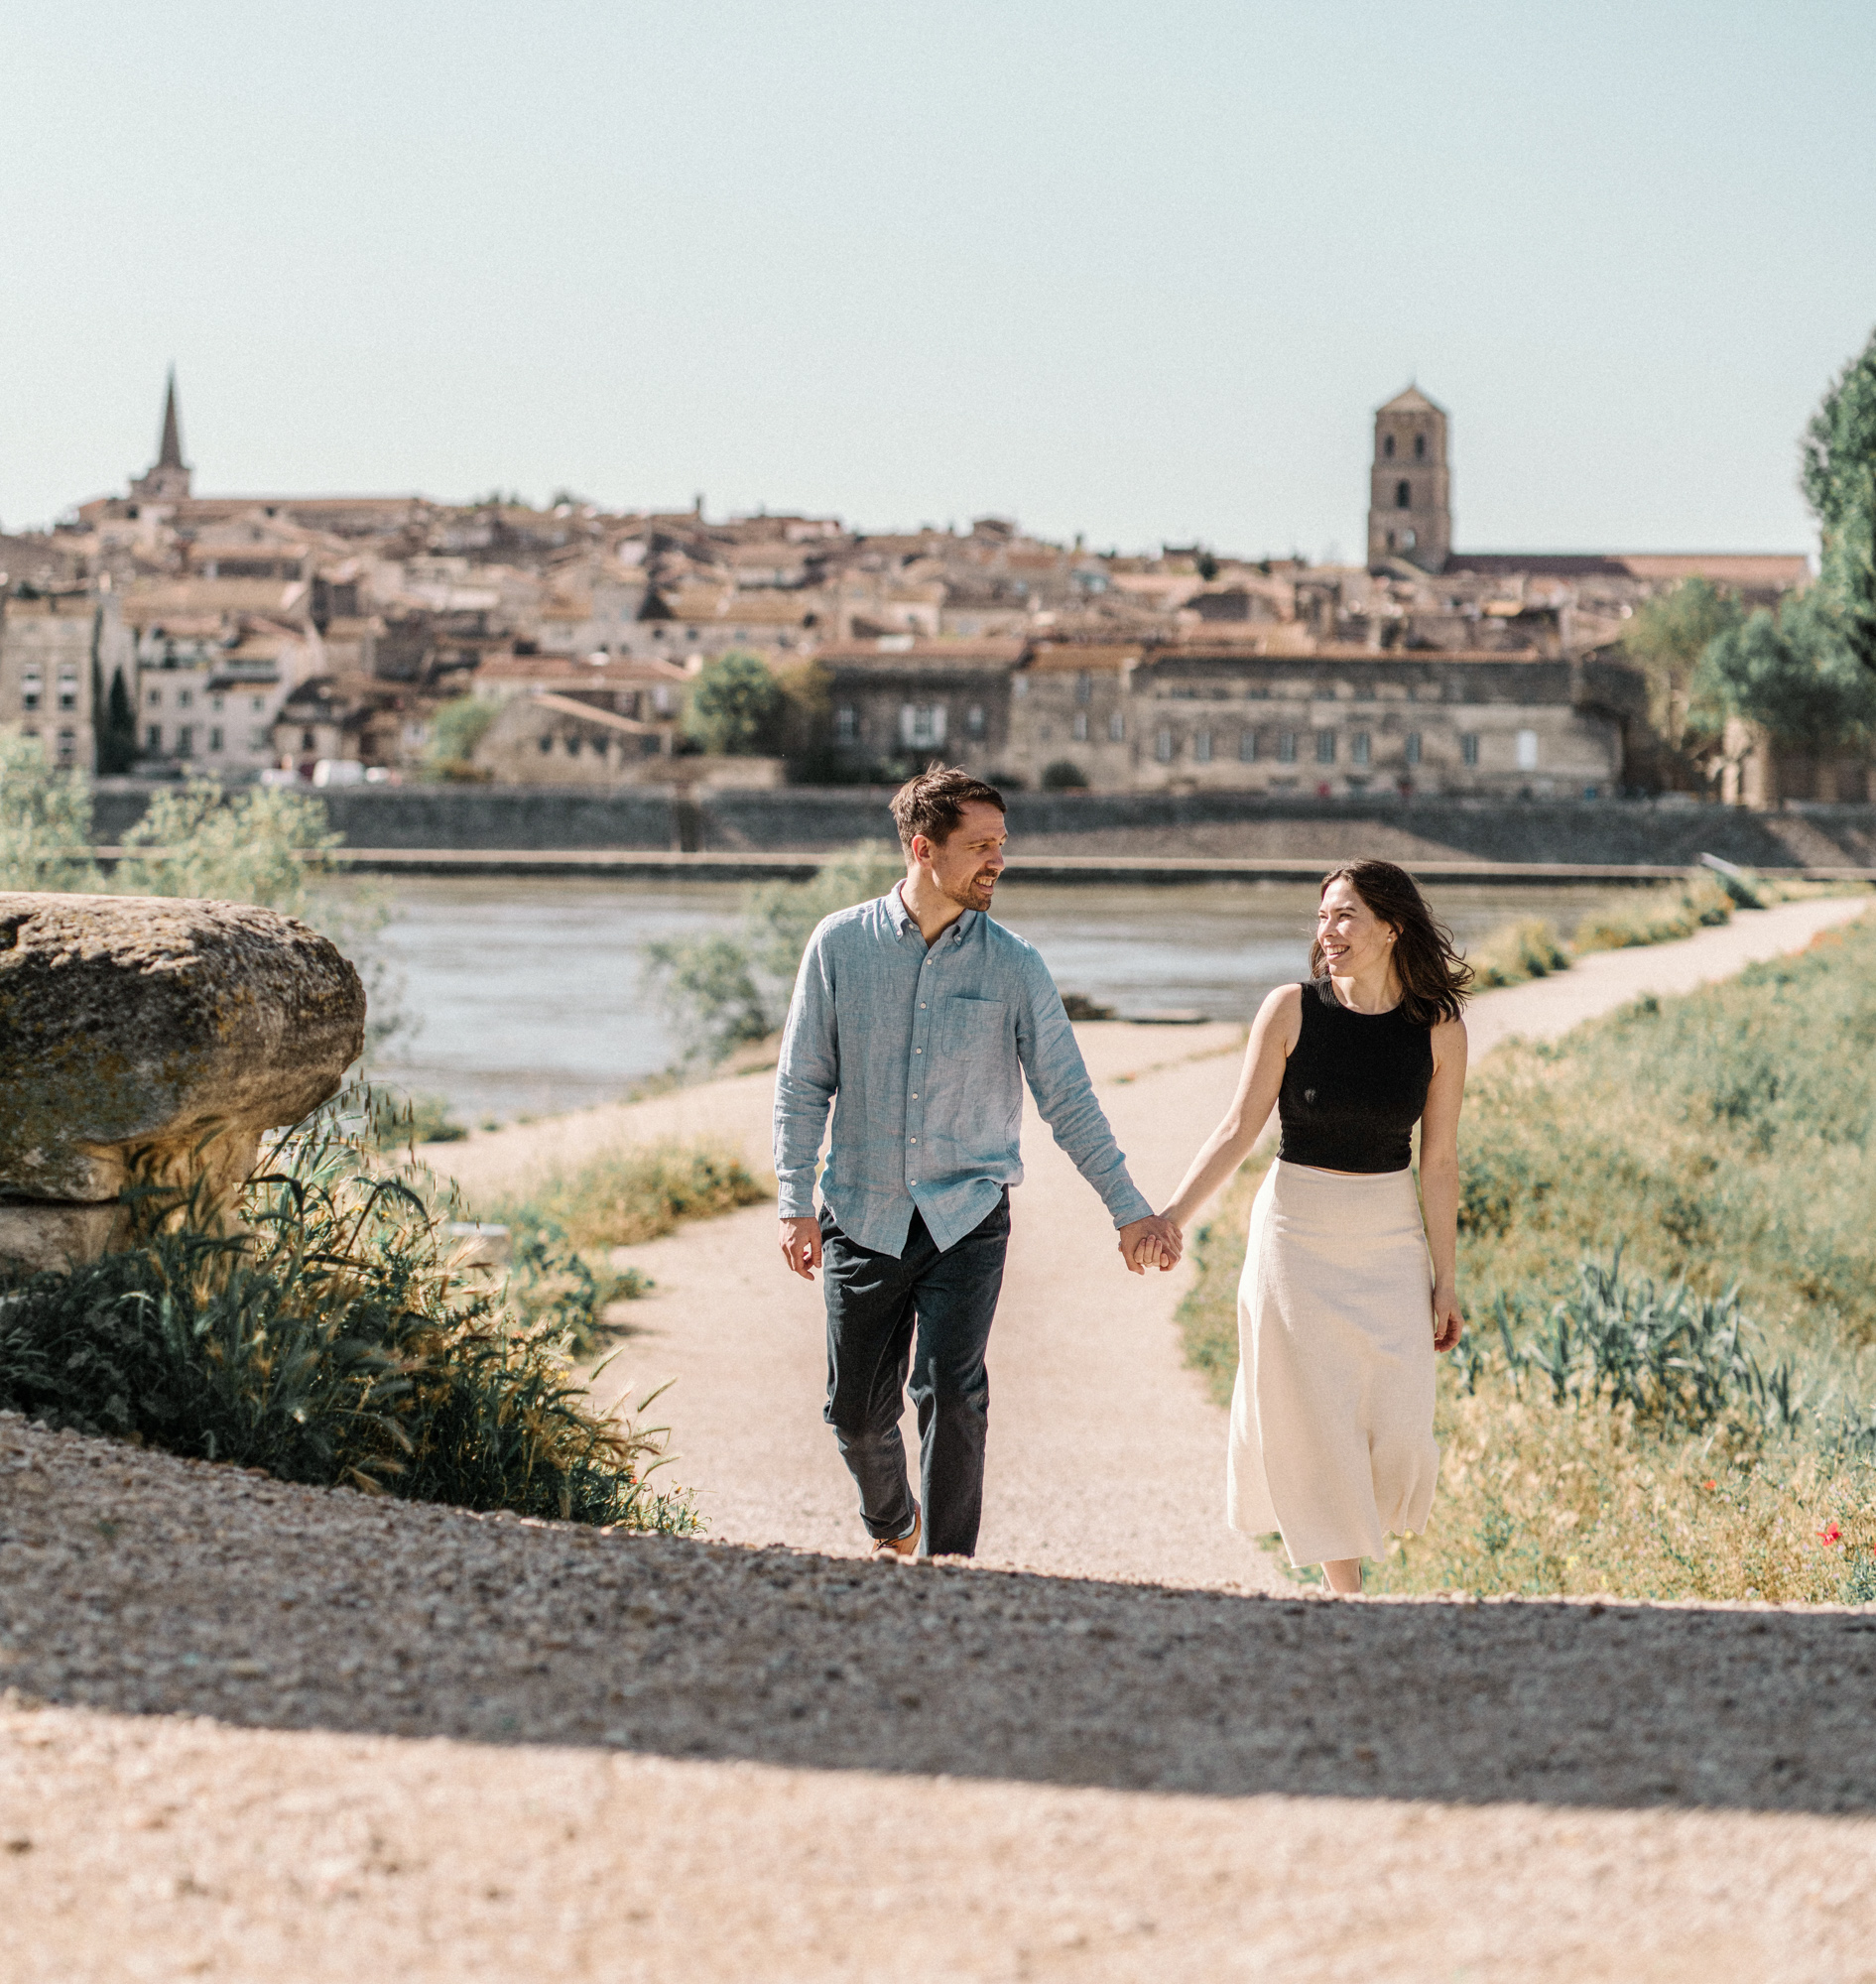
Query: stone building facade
[
  {"x": 1322, "y": 725},
  {"x": 58, "y": 652}
]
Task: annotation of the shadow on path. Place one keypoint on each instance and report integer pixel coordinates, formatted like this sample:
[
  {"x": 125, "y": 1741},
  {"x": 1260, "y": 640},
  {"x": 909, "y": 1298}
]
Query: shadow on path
[{"x": 267, "y": 1605}]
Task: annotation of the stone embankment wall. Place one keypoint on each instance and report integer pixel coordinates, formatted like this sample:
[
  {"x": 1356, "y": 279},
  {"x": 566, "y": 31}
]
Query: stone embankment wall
[{"x": 1212, "y": 823}]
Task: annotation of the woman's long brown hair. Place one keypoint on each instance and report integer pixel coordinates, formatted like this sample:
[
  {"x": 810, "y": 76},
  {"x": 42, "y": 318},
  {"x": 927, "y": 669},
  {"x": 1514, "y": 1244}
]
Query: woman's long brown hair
[{"x": 1435, "y": 980}]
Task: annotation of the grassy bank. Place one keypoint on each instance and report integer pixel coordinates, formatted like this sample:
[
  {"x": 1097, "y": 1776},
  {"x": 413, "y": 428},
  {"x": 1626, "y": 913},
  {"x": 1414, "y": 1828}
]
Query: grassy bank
[{"x": 1722, "y": 1140}]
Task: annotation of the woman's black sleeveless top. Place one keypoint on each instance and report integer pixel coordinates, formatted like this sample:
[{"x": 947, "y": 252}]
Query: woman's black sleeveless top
[{"x": 1354, "y": 1086}]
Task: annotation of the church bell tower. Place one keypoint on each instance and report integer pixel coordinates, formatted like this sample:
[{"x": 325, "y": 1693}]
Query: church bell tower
[
  {"x": 1410, "y": 491},
  {"x": 169, "y": 477}
]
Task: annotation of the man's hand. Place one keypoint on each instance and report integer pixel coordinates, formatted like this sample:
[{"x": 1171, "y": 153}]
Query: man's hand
[
  {"x": 800, "y": 1246},
  {"x": 1150, "y": 1241}
]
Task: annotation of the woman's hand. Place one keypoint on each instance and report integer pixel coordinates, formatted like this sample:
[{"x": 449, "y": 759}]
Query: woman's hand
[{"x": 1449, "y": 1320}]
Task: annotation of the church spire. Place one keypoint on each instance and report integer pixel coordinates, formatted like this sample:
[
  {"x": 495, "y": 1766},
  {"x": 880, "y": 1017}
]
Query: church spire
[{"x": 171, "y": 455}]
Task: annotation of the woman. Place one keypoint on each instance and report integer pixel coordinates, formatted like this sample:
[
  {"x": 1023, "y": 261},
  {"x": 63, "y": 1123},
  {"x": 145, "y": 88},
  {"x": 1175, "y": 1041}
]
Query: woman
[{"x": 1331, "y": 1420}]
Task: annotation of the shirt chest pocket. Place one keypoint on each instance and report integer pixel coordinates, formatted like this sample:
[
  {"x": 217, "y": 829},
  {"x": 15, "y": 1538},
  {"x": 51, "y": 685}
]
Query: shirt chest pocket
[{"x": 972, "y": 1027}]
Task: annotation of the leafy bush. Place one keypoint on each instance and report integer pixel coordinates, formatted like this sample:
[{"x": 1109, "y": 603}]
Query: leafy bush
[
  {"x": 456, "y": 727},
  {"x": 1520, "y": 951},
  {"x": 333, "y": 1341},
  {"x": 723, "y": 991},
  {"x": 257, "y": 845},
  {"x": 1064, "y": 774},
  {"x": 1658, "y": 915},
  {"x": 627, "y": 1196},
  {"x": 44, "y": 821}
]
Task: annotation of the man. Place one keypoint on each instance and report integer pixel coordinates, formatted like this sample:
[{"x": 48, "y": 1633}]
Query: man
[{"x": 917, "y": 1017}]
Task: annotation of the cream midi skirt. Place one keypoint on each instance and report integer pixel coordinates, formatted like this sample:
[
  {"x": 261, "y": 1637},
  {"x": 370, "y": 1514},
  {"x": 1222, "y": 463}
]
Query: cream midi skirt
[{"x": 1332, "y": 1419}]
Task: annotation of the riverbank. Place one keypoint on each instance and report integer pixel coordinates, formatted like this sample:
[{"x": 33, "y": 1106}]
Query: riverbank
[{"x": 513, "y": 821}]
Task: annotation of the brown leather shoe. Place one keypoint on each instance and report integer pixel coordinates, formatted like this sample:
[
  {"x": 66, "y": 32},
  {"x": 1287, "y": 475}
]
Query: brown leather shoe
[{"x": 905, "y": 1548}]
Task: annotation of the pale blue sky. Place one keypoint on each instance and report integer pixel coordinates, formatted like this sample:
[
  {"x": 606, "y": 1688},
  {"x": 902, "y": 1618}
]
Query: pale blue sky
[{"x": 1138, "y": 270}]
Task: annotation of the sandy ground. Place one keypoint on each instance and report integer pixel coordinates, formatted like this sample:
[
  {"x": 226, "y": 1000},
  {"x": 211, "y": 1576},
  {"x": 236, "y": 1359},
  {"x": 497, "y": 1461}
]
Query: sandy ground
[{"x": 255, "y": 1731}]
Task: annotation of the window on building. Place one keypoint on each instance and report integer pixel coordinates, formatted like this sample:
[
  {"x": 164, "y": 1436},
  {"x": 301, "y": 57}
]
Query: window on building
[
  {"x": 67, "y": 746},
  {"x": 215, "y": 703},
  {"x": 1469, "y": 747},
  {"x": 1325, "y": 747},
  {"x": 1390, "y": 540},
  {"x": 30, "y": 688},
  {"x": 184, "y": 698},
  {"x": 1403, "y": 495},
  {"x": 1117, "y": 729},
  {"x": 1420, "y": 447},
  {"x": 214, "y": 738},
  {"x": 1527, "y": 750},
  {"x": 975, "y": 720},
  {"x": 1247, "y": 747},
  {"x": 185, "y": 740},
  {"x": 309, "y": 742},
  {"x": 1387, "y": 446},
  {"x": 846, "y": 724},
  {"x": 1081, "y": 726},
  {"x": 1163, "y": 745},
  {"x": 1083, "y": 686},
  {"x": 546, "y": 741},
  {"x": 921, "y": 725},
  {"x": 67, "y": 688},
  {"x": 1358, "y": 748},
  {"x": 1412, "y": 748},
  {"x": 257, "y": 702},
  {"x": 155, "y": 699},
  {"x": 1285, "y": 747},
  {"x": 152, "y": 738},
  {"x": 1202, "y": 747}
]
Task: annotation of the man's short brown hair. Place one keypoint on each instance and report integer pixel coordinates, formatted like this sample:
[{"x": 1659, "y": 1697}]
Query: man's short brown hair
[{"x": 934, "y": 803}]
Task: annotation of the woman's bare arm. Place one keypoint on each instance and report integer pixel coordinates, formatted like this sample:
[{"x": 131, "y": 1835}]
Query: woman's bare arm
[
  {"x": 1274, "y": 1033},
  {"x": 1439, "y": 1176}
]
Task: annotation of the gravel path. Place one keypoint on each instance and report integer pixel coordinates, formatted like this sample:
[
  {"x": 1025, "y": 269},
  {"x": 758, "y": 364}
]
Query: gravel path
[{"x": 254, "y": 1731}]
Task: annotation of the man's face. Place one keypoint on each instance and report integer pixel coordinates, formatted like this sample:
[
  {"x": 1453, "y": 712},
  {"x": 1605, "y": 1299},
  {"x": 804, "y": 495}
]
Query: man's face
[{"x": 966, "y": 864}]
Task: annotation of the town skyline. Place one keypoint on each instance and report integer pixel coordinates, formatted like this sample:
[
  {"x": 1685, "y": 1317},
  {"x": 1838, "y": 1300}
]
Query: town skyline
[{"x": 1110, "y": 272}]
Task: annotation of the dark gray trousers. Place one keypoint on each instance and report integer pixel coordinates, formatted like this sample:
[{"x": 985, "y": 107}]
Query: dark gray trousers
[{"x": 925, "y": 1317}]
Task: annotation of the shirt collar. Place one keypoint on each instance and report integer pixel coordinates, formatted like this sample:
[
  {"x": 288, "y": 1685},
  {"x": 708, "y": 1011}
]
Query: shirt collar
[{"x": 904, "y": 919}]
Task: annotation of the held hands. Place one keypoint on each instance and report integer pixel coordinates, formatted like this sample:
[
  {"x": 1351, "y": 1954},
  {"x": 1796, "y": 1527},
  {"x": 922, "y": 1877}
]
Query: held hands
[
  {"x": 1448, "y": 1322},
  {"x": 800, "y": 1246},
  {"x": 1152, "y": 1242}
]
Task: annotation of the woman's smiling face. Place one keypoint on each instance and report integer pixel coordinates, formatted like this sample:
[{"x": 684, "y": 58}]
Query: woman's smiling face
[{"x": 1353, "y": 938}]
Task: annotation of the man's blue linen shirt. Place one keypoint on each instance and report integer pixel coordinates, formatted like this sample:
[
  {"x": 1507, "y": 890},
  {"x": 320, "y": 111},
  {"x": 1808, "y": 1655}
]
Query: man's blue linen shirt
[{"x": 919, "y": 1050}]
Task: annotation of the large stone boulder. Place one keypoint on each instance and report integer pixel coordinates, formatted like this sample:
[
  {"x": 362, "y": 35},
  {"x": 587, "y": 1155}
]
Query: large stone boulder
[{"x": 153, "y": 1038}]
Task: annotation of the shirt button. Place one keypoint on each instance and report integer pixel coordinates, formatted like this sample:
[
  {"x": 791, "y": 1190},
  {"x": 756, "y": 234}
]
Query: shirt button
[
  {"x": 914, "y": 1095},
  {"x": 915, "y": 1140}
]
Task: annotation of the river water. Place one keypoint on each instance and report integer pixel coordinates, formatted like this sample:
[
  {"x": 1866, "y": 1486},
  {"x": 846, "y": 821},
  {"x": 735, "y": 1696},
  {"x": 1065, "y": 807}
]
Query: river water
[{"x": 527, "y": 997}]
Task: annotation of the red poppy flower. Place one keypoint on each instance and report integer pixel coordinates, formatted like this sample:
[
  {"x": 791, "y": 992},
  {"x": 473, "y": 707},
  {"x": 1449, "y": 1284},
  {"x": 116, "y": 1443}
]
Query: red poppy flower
[
  {"x": 1831, "y": 1534},
  {"x": 1710, "y": 1484}
]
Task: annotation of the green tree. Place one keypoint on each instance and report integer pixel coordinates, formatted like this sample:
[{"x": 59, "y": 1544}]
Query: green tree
[
  {"x": 736, "y": 707},
  {"x": 1839, "y": 482},
  {"x": 115, "y": 723},
  {"x": 1666, "y": 640},
  {"x": 1795, "y": 674},
  {"x": 44, "y": 821},
  {"x": 456, "y": 727},
  {"x": 261, "y": 846}
]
